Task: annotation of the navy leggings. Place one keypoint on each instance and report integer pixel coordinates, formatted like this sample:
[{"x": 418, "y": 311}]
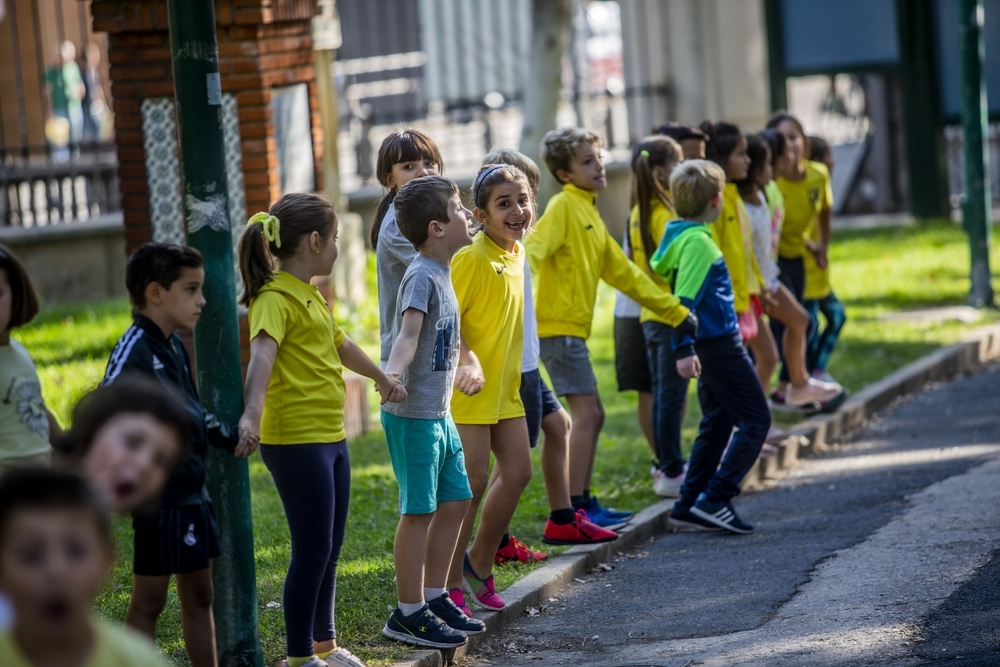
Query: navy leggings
[{"x": 314, "y": 482}]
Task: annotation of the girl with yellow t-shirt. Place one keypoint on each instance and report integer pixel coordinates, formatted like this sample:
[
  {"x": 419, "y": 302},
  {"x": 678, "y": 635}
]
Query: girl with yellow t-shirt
[
  {"x": 295, "y": 396},
  {"x": 489, "y": 282},
  {"x": 805, "y": 186}
]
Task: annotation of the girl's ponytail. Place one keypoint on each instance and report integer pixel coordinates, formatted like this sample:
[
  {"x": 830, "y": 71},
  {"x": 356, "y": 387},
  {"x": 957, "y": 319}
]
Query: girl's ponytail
[
  {"x": 256, "y": 265},
  {"x": 278, "y": 234},
  {"x": 651, "y": 152},
  {"x": 383, "y": 208}
]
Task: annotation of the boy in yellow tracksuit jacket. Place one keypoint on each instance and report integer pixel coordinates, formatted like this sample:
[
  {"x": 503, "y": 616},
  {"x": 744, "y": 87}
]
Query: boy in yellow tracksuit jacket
[{"x": 569, "y": 251}]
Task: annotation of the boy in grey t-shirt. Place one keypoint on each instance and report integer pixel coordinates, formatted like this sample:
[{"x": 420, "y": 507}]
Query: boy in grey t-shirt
[{"x": 424, "y": 446}]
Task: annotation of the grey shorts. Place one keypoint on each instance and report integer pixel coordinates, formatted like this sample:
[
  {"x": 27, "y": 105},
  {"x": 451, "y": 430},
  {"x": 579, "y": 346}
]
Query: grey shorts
[{"x": 567, "y": 361}]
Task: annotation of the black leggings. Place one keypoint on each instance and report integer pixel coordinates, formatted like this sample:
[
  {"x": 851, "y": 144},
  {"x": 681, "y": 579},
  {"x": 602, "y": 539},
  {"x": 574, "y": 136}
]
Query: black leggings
[
  {"x": 314, "y": 482},
  {"x": 792, "y": 276}
]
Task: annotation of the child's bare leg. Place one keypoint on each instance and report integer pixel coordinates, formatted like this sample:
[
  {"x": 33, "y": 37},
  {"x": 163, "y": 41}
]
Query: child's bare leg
[
  {"x": 195, "y": 592},
  {"x": 442, "y": 536},
  {"x": 766, "y": 353},
  {"x": 509, "y": 442},
  {"x": 588, "y": 419},
  {"x": 555, "y": 458},
  {"x": 790, "y": 312},
  {"x": 646, "y": 418},
  {"x": 149, "y": 596},
  {"x": 476, "y": 446},
  {"x": 408, "y": 553}
]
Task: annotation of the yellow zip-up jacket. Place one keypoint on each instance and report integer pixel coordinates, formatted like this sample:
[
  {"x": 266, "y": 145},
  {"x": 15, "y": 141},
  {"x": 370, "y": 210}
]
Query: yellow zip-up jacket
[
  {"x": 659, "y": 217},
  {"x": 569, "y": 250},
  {"x": 731, "y": 232}
]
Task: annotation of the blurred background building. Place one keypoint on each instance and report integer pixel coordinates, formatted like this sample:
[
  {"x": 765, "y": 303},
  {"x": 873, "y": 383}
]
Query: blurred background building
[{"x": 86, "y": 93}]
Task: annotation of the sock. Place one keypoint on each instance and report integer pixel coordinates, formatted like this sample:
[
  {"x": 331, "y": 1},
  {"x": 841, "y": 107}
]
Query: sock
[
  {"x": 406, "y": 609},
  {"x": 432, "y": 593},
  {"x": 579, "y": 502},
  {"x": 562, "y": 517},
  {"x": 505, "y": 540},
  {"x": 298, "y": 662},
  {"x": 324, "y": 655}
]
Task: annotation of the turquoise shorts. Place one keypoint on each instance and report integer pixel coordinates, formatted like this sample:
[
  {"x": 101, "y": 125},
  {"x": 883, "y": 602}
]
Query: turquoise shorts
[{"x": 428, "y": 462}]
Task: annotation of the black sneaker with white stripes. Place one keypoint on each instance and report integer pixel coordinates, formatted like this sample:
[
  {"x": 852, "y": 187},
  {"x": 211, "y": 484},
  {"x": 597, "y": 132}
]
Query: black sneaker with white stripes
[
  {"x": 682, "y": 518},
  {"x": 721, "y": 514}
]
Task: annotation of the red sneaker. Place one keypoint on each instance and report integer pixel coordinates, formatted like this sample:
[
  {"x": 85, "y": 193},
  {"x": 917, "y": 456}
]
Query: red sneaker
[
  {"x": 581, "y": 531},
  {"x": 516, "y": 550}
]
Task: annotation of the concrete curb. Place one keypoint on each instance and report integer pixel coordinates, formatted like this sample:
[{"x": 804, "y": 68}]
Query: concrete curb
[{"x": 804, "y": 440}]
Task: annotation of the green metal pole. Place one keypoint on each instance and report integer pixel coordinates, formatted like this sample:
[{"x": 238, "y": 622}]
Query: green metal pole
[
  {"x": 216, "y": 338},
  {"x": 977, "y": 205}
]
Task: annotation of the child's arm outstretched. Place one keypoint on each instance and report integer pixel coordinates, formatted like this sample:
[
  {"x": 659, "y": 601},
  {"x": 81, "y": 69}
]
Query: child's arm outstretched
[
  {"x": 355, "y": 359},
  {"x": 263, "y": 352}
]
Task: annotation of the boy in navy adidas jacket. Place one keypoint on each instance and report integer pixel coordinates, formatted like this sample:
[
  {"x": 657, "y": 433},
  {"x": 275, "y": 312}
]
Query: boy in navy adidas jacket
[{"x": 179, "y": 538}]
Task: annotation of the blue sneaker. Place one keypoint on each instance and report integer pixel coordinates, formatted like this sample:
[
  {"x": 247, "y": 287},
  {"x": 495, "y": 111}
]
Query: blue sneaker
[
  {"x": 423, "y": 628},
  {"x": 600, "y": 518},
  {"x": 595, "y": 506}
]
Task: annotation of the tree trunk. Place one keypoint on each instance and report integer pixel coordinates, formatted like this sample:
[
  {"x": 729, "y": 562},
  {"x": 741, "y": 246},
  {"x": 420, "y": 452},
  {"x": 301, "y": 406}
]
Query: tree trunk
[{"x": 550, "y": 20}]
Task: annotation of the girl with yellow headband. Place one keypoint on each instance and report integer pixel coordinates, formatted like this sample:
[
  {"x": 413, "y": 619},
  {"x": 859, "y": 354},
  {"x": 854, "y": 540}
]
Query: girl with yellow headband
[{"x": 295, "y": 407}]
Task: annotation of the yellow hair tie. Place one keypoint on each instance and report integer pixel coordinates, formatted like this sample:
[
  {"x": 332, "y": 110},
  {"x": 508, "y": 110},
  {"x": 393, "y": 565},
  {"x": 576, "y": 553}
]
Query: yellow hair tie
[{"x": 270, "y": 225}]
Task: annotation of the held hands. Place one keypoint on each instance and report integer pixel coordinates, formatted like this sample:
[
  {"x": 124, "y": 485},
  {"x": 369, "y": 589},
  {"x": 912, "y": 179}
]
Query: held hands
[
  {"x": 391, "y": 391},
  {"x": 469, "y": 378},
  {"x": 689, "y": 367},
  {"x": 249, "y": 429},
  {"x": 818, "y": 252},
  {"x": 767, "y": 302}
]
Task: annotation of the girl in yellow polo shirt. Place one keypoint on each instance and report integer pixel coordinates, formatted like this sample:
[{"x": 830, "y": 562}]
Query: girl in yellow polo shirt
[
  {"x": 295, "y": 407},
  {"x": 489, "y": 282}
]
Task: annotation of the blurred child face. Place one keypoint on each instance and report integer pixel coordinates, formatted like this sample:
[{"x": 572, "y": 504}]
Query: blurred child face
[
  {"x": 404, "y": 172},
  {"x": 586, "y": 170},
  {"x": 130, "y": 460},
  {"x": 796, "y": 142},
  {"x": 693, "y": 148},
  {"x": 52, "y": 563},
  {"x": 765, "y": 174},
  {"x": 738, "y": 162},
  {"x": 180, "y": 306},
  {"x": 508, "y": 214},
  {"x": 6, "y": 304},
  {"x": 780, "y": 164},
  {"x": 457, "y": 231}
]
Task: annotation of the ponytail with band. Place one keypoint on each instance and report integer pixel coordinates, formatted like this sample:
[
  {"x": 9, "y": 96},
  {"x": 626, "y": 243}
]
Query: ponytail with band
[{"x": 270, "y": 226}]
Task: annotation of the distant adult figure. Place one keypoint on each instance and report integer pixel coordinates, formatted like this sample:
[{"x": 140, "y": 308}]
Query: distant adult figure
[
  {"x": 94, "y": 105},
  {"x": 65, "y": 92}
]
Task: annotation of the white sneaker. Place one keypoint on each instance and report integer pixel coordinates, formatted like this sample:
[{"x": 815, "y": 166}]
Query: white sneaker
[
  {"x": 667, "y": 487},
  {"x": 813, "y": 391},
  {"x": 823, "y": 376}
]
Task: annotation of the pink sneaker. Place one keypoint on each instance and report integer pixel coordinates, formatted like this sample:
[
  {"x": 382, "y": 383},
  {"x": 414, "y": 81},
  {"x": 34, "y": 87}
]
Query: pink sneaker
[
  {"x": 458, "y": 597},
  {"x": 483, "y": 591}
]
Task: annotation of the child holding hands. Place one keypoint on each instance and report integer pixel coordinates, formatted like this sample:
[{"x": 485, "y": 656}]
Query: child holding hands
[
  {"x": 728, "y": 389},
  {"x": 295, "y": 408},
  {"x": 424, "y": 444}
]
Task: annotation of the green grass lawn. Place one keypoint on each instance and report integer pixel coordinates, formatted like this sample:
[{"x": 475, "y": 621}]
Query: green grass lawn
[{"x": 874, "y": 273}]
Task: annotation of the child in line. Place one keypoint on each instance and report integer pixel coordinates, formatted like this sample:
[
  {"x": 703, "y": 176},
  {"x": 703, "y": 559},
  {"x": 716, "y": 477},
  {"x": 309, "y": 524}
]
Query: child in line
[
  {"x": 295, "y": 408},
  {"x": 819, "y": 296},
  {"x": 728, "y": 389},
  {"x": 126, "y": 439},
  {"x": 26, "y": 425},
  {"x": 691, "y": 139},
  {"x": 779, "y": 304},
  {"x": 488, "y": 277},
  {"x": 544, "y": 413},
  {"x": 653, "y": 158},
  {"x": 569, "y": 251},
  {"x": 180, "y": 537},
  {"x": 59, "y": 521},
  {"x": 423, "y": 442},
  {"x": 805, "y": 186}
]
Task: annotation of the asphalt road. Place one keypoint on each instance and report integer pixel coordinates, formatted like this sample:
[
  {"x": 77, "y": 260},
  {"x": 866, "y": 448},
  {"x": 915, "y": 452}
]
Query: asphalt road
[{"x": 880, "y": 552}]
